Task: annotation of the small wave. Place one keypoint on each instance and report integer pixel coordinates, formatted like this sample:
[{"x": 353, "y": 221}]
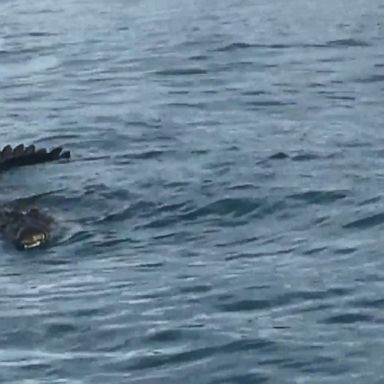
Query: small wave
[
  {"x": 41, "y": 34},
  {"x": 143, "y": 155},
  {"x": 278, "y": 156},
  {"x": 233, "y": 207},
  {"x": 229, "y": 303},
  {"x": 228, "y": 206},
  {"x": 329, "y": 44},
  {"x": 366, "y": 222},
  {"x": 349, "y": 318},
  {"x": 235, "y": 46},
  {"x": 244, "y": 187},
  {"x": 377, "y": 303},
  {"x": 197, "y": 354},
  {"x": 57, "y": 138},
  {"x": 372, "y": 79},
  {"x": 305, "y": 157},
  {"x": 254, "y": 255},
  {"x": 347, "y": 43},
  {"x": 110, "y": 243},
  {"x": 319, "y": 197},
  {"x": 202, "y": 288},
  {"x": 181, "y": 72},
  {"x": 245, "y": 305},
  {"x": 251, "y": 377},
  {"x": 167, "y": 335},
  {"x": 197, "y": 105},
  {"x": 199, "y": 57},
  {"x": 140, "y": 208},
  {"x": 60, "y": 328},
  {"x": 268, "y": 103},
  {"x": 253, "y": 93}
]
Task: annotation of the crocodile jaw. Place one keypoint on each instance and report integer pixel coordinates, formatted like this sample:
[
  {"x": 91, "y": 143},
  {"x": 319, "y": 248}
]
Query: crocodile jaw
[{"x": 35, "y": 241}]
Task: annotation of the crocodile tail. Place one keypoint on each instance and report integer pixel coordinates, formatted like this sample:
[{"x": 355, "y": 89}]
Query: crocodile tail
[{"x": 21, "y": 155}]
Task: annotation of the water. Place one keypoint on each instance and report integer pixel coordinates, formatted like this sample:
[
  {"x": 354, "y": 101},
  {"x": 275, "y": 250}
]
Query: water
[{"x": 188, "y": 249}]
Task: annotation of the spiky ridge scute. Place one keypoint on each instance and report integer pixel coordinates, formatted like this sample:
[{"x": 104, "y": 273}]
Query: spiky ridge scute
[{"x": 21, "y": 155}]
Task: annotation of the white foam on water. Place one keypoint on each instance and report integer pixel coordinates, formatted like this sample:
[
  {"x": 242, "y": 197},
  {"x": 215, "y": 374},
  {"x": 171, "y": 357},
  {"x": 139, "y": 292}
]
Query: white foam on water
[
  {"x": 41, "y": 64},
  {"x": 33, "y": 66}
]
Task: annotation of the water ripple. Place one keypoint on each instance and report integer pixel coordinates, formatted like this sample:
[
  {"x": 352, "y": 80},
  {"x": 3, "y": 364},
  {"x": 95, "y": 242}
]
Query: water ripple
[{"x": 220, "y": 220}]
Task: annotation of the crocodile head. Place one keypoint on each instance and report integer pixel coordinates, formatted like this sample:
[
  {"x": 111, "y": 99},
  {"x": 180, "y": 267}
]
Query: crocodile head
[{"x": 26, "y": 228}]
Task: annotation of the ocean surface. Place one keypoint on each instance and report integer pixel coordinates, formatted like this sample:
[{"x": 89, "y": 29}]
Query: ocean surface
[{"x": 221, "y": 220}]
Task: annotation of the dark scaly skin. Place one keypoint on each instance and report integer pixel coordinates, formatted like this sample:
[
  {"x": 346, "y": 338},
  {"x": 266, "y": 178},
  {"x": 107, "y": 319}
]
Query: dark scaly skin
[{"x": 27, "y": 228}]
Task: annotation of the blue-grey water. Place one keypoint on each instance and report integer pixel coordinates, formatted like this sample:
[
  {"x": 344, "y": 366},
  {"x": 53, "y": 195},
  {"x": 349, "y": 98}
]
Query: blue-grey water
[{"x": 189, "y": 249}]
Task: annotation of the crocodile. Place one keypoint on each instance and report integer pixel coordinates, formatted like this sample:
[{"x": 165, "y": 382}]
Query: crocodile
[{"x": 28, "y": 227}]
